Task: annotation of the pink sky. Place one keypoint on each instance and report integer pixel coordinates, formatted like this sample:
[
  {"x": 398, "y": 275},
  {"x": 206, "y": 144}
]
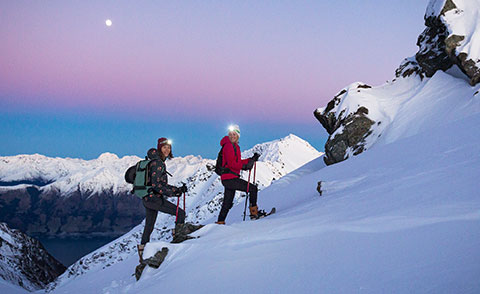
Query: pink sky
[{"x": 273, "y": 62}]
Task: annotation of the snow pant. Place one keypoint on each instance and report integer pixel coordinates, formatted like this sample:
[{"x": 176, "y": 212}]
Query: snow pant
[
  {"x": 231, "y": 186},
  {"x": 153, "y": 204}
]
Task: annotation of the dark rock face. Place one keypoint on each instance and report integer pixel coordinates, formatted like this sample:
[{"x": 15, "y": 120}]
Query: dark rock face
[
  {"x": 327, "y": 117},
  {"x": 51, "y": 214},
  {"x": 154, "y": 261},
  {"x": 355, "y": 128},
  {"x": 24, "y": 261},
  {"x": 437, "y": 50},
  {"x": 432, "y": 54}
]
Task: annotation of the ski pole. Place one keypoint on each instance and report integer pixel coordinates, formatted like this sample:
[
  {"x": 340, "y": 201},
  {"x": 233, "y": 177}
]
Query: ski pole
[{"x": 246, "y": 199}]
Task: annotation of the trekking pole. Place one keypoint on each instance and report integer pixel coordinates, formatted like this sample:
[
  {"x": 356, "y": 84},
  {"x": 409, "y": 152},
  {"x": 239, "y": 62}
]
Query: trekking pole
[
  {"x": 246, "y": 199},
  {"x": 176, "y": 215},
  {"x": 184, "y": 202},
  {"x": 254, "y": 171}
]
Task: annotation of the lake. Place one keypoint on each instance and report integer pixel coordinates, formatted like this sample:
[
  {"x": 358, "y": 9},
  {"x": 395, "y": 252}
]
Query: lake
[{"x": 69, "y": 250}]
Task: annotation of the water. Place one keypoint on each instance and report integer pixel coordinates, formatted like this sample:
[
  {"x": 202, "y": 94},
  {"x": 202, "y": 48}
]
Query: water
[{"x": 69, "y": 250}]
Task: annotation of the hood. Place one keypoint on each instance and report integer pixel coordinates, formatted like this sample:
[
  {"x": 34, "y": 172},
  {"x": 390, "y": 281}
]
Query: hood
[{"x": 224, "y": 141}]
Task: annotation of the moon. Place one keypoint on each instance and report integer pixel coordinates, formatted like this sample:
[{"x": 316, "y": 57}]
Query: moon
[{"x": 108, "y": 22}]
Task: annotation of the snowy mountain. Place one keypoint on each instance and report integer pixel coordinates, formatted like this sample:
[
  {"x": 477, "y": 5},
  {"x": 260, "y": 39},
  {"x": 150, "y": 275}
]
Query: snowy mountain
[
  {"x": 64, "y": 196},
  {"x": 428, "y": 90},
  {"x": 24, "y": 262},
  {"x": 403, "y": 217}
]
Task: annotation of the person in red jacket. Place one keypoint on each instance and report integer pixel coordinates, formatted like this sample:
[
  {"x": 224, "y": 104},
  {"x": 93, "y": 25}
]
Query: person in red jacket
[{"x": 233, "y": 163}]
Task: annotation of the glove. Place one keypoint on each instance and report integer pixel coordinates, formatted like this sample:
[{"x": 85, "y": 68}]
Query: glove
[
  {"x": 255, "y": 156},
  {"x": 183, "y": 189},
  {"x": 249, "y": 165}
]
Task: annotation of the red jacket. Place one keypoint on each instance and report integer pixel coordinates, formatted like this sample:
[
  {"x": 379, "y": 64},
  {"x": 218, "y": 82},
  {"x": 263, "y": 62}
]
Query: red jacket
[{"x": 231, "y": 160}]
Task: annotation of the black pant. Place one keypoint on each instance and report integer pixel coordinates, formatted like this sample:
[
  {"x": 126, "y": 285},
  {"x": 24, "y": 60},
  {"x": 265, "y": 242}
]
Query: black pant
[
  {"x": 153, "y": 205},
  {"x": 231, "y": 186}
]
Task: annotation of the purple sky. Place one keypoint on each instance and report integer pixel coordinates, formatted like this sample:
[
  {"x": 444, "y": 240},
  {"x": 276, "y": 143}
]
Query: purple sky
[{"x": 205, "y": 62}]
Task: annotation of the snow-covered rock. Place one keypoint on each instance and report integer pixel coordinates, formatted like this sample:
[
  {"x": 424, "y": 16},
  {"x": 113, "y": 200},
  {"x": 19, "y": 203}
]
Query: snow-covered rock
[
  {"x": 24, "y": 262},
  {"x": 430, "y": 83},
  {"x": 451, "y": 37}
]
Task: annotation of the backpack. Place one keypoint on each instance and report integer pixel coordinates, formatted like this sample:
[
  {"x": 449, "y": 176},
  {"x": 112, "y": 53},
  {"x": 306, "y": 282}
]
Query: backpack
[
  {"x": 219, "y": 168},
  {"x": 138, "y": 176}
]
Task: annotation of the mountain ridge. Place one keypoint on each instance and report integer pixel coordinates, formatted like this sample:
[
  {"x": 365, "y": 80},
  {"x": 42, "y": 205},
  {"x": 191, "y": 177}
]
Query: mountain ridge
[{"x": 90, "y": 197}]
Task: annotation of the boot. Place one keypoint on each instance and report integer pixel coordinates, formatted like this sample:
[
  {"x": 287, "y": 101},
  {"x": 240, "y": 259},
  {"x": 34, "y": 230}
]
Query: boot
[
  {"x": 181, "y": 232},
  {"x": 253, "y": 212},
  {"x": 192, "y": 228},
  {"x": 140, "y": 248},
  {"x": 220, "y": 223},
  {"x": 179, "y": 228}
]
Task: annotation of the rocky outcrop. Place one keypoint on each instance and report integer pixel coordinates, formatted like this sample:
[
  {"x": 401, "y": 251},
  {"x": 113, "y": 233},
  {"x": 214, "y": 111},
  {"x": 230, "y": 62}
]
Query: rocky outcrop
[
  {"x": 444, "y": 42},
  {"x": 348, "y": 129},
  {"x": 24, "y": 261},
  {"x": 154, "y": 262},
  {"x": 450, "y": 38}
]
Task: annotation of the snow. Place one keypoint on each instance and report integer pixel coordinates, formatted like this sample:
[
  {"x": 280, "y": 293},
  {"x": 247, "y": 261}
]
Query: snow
[
  {"x": 403, "y": 217},
  {"x": 8, "y": 288},
  {"x": 203, "y": 201},
  {"x": 465, "y": 21},
  {"x": 408, "y": 106},
  {"x": 462, "y": 21},
  {"x": 105, "y": 174},
  {"x": 434, "y": 7}
]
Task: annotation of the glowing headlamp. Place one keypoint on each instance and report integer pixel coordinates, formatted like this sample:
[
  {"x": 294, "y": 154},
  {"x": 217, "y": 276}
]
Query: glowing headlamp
[{"x": 167, "y": 141}]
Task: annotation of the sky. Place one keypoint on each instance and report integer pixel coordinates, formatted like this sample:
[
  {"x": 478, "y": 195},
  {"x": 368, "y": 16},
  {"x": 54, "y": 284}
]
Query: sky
[{"x": 70, "y": 86}]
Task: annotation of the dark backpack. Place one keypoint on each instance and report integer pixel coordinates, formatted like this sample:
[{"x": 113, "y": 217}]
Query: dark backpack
[
  {"x": 219, "y": 168},
  {"x": 138, "y": 176}
]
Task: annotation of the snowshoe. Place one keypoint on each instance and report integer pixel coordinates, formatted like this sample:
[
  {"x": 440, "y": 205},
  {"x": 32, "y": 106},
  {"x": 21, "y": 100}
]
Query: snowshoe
[{"x": 262, "y": 214}]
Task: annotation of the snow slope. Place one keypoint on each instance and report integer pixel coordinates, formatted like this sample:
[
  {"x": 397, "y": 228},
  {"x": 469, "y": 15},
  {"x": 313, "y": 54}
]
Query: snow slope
[
  {"x": 408, "y": 106},
  {"x": 205, "y": 194},
  {"x": 24, "y": 262},
  {"x": 402, "y": 218},
  {"x": 8, "y": 288}
]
